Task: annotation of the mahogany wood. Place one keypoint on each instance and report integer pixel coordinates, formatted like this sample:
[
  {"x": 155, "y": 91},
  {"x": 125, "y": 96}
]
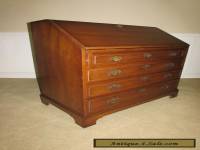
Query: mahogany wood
[
  {"x": 93, "y": 69},
  {"x": 136, "y": 69},
  {"x": 135, "y": 95},
  {"x": 103, "y": 58},
  {"x": 129, "y": 83}
]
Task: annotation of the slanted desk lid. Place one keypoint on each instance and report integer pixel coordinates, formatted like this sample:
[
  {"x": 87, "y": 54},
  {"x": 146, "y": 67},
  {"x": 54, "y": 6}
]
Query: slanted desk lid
[{"x": 115, "y": 35}]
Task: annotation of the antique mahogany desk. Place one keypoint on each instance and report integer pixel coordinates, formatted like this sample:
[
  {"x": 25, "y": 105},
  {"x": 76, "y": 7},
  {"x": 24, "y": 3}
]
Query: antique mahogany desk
[{"x": 93, "y": 69}]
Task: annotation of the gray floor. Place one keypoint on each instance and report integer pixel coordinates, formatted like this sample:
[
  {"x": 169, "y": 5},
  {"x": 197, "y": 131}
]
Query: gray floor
[{"x": 26, "y": 124}]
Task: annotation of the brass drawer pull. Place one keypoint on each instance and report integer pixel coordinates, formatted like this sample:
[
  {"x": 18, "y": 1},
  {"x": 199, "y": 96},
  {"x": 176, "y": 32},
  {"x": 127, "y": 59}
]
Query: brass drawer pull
[
  {"x": 144, "y": 78},
  {"x": 114, "y": 86},
  {"x": 115, "y": 72},
  {"x": 165, "y": 87},
  {"x": 168, "y": 75},
  {"x": 146, "y": 66},
  {"x": 173, "y": 54},
  {"x": 147, "y": 55},
  {"x": 142, "y": 90},
  {"x": 116, "y": 58},
  {"x": 113, "y": 100},
  {"x": 170, "y": 65}
]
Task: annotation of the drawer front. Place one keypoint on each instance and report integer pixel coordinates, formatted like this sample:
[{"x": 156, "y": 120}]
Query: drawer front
[
  {"x": 98, "y": 59},
  {"x": 130, "y": 70},
  {"x": 131, "y": 97},
  {"x": 120, "y": 85}
]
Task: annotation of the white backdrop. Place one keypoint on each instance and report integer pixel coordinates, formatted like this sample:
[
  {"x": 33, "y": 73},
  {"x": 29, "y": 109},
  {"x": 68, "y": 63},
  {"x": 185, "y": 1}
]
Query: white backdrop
[{"x": 16, "y": 58}]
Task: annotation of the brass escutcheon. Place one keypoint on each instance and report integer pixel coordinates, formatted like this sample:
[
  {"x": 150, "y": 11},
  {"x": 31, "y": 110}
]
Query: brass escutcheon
[
  {"x": 172, "y": 54},
  {"x": 114, "y": 86},
  {"x": 116, "y": 58},
  {"x": 113, "y": 100},
  {"x": 147, "y": 55},
  {"x": 146, "y": 66},
  {"x": 167, "y": 75},
  {"x": 165, "y": 87},
  {"x": 170, "y": 65},
  {"x": 115, "y": 72},
  {"x": 141, "y": 90},
  {"x": 144, "y": 78}
]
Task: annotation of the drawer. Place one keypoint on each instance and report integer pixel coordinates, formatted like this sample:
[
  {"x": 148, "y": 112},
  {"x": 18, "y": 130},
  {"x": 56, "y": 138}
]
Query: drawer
[
  {"x": 132, "y": 97},
  {"x": 106, "y": 58},
  {"x": 121, "y": 85},
  {"x": 131, "y": 70}
]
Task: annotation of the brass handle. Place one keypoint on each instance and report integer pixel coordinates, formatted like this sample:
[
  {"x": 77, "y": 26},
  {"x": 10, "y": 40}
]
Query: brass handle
[
  {"x": 116, "y": 58},
  {"x": 142, "y": 90},
  {"x": 170, "y": 65},
  {"x": 168, "y": 75},
  {"x": 147, "y": 55},
  {"x": 113, "y": 100},
  {"x": 144, "y": 78},
  {"x": 165, "y": 87},
  {"x": 114, "y": 86},
  {"x": 146, "y": 66},
  {"x": 172, "y": 54},
  {"x": 115, "y": 72}
]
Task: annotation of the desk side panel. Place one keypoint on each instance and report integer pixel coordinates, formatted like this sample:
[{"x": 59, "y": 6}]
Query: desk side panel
[{"x": 58, "y": 64}]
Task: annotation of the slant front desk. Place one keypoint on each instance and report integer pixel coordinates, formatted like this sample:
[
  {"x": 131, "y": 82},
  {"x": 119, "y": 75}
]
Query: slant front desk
[{"x": 93, "y": 69}]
